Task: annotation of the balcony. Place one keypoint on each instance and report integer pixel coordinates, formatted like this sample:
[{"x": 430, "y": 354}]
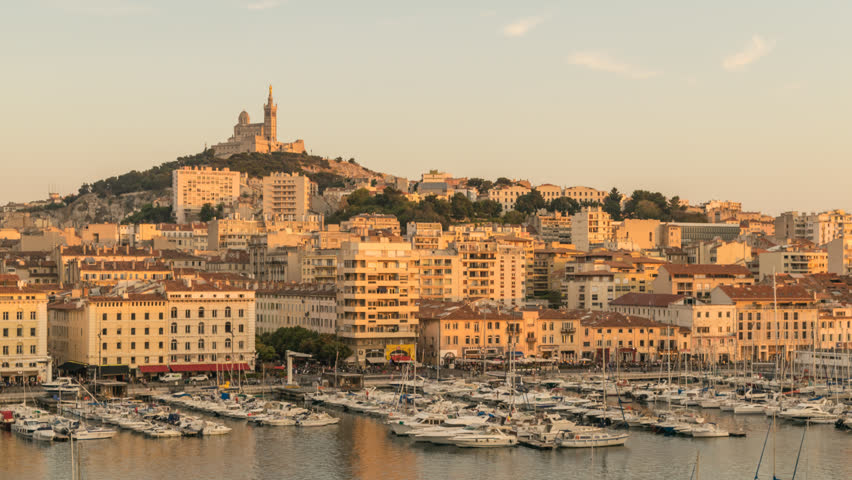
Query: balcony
[{"x": 568, "y": 330}]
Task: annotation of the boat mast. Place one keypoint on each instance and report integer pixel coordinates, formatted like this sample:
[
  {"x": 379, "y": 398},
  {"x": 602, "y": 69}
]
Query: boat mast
[{"x": 777, "y": 326}]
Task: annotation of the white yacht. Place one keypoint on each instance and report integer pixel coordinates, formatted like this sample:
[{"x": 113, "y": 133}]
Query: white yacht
[
  {"x": 89, "y": 433},
  {"x": 600, "y": 438},
  {"x": 488, "y": 439}
]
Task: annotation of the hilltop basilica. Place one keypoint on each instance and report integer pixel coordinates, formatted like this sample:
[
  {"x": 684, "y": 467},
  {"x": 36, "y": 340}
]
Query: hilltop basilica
[{"x": 257, "y": 137}]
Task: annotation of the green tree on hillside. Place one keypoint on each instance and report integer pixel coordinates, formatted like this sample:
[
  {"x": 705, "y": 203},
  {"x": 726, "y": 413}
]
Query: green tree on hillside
[
  {"x": 529, "y": 203},
  {"x": 612, "y": 204}
]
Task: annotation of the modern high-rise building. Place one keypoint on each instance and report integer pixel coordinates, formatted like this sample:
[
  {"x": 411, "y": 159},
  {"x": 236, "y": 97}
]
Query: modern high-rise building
[
  {"x": 591, "y": 227},
  {"x": 287, "y": 196},
  {"x": 376, "y": 298},
  {"x": 193, "y": 187}
]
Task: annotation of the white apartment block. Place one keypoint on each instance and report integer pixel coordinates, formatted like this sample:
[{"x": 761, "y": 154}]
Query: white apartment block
[
  {"x": 287, "y": 196},
  {"x": 193, "y": 187}
]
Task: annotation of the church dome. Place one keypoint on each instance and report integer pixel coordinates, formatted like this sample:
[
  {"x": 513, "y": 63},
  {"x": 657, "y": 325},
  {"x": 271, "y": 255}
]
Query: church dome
[{"x": 243, "y": 118}]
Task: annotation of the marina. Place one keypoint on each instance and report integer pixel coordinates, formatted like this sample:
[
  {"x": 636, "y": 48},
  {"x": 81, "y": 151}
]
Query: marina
[{"x": 419, "y": 427}]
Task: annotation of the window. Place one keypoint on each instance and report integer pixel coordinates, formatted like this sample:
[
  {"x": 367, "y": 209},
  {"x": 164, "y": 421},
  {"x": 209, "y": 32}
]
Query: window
[
  {"x": 174, "y": 345},
  {"x": 241, "y": 345},
  {"x": 187, "y": 329},
  {"x": 227, "y": 343},
  {"x": 133, "y": 345},
  {"x": 133, "y": 316},
  {"x": 133, "y": 331},
  {"x": 241, "y": 328},
  {"x": 227, "y": 312},
  {"x": 186, "y": 346},
  {"x": 240, "y": 313},
  {"x": 147, "y": 346},
  {"x": 118, "y": 316},
  {"x": 201, "y": 328},
  {"x": 32, "y": 332},
  {"x": 200, "y": 312},
  {"x": 187, "y": 313},
  {"x": 5, "y": 332},
  {"x": 201, "y": 344},
  {"x": 147, "y": 316},
  {"x": 174, "y": 314},
  {"x": 118, "y": 345},
  {"x": 213, "y": 346},
  {"x": 20, "y": 331},
  {"x": 32, "y": 315},
  {"x": 227, "y": 327},
  {"x": 104, "y": 317},
  {"x": 32, "y": 349},
  {"x": 214, "y": 328}
]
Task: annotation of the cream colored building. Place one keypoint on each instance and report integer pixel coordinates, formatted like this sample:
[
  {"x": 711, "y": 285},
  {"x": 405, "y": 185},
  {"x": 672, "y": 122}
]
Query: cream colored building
[
  {"x": 719, "y": 252},
  {"x": 697, "y": 281},
  {"x": 507, "y": 195},
  {"x": 840, "y": 253},
  {"x": 257, "y": 137},
  {"x": 492, "y": 270},
  {"x": 210, "y": 327},
  {"x": 287, "y": 196},
  {"x": 549, "y": 192},
  {"x": 232, "y": 234},
  {"x": 440, "y": 273},
  {"x": 553, "y": 227},
  {"x": 591, "y": 227},
  {"x": 23, "y": 335},
  {"x": 308, "y": 305},
  {"x": 376, "y": 296},
  {"x": 819, "y": 228},
  {"x": 365, "y": 223},
  {"x": 763, "y": 334},
  {"x": 193, "y": 187},
  {"x": 585, "y": 194},
  {"x": 127, "y": 330},
  {"x": 100, "y": 234},
  {"x": 792, "y": 260}
]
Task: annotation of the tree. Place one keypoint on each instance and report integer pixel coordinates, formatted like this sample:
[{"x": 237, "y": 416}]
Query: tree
[
  {"x": 514, "y": 217},
  {"x": 461, "y": 208},
  {"x": 220, "y": 210},
  {"x": 207, "y": 213},
  {"x": 487, "y": 208},
  {"x": 529, "y": 203},
  {"x": 612, "y": 204},
  {"x": 324, "y": 347},
  {"x": 565, "y": 205},
  {"x": 503, "y": 181}
]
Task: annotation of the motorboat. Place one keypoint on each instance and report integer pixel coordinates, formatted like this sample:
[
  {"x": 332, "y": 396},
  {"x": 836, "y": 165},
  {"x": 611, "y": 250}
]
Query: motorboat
[
  {"x": 28, "y": 426},
  {"x": 488, "y": 439},
  {"x": 320, "y": 419},
  {"x": 92, "y": 433},
  {"x": 748, "y": 409},
  {"x": 600, "y": 438},
  {"x": 708, "y": 430},
  {"x": 61, "y": 385},
  {"x": 211, "y": 428},
  {"x": 44, "y": 433},
  {"x": 404, "y": 426}
]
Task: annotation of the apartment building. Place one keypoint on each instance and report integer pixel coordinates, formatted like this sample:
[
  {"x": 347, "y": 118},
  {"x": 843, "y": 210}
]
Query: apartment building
[
  {"x": 553, "y": 227},
  {"x": 548, "y": 262},
  {"x": 109, "y": 274},
  {"x": 123, "y": 334},
  {"x": 507, "y": 195},
  {"x": 590, "y": 228},
  {"x": 819, "y": 228},
  {"x": 365, "y": 223},
  {"x": 712, "y": 327},
  {"x": 492, "y": 269},
  {"x": 795, "y": 260},
  {"x": 697, "y": 281},
  {"x": 312, "y": 306},
  {"x": 549, "y": 192},
  {"x": 210, "y": 327},
  {"x": 594, "y": 279},
  {"x": 23, "y": 335},
  {"x": 376, "y": 294},
  {"x": 770, "y": 323},
  {"x": 473, "y": 330},
  {"x": 440, "y": 274},
  {"x": 719, "y": 252},
  {"x": 426, "y": 235},
  {"x": 69, "y": 259},
  {"x": 585, "y": 194},
  {"x": 287, "y": 196},
  {"x": 839, "y": 253},
  {"x": 193, "y": 187},
  {"x": 614, "y": 337},
  {"x": 232, "y": 234}
]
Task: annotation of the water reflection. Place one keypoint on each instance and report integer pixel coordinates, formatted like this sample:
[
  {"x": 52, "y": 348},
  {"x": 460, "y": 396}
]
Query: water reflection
[{"x": 361, "y": 448}]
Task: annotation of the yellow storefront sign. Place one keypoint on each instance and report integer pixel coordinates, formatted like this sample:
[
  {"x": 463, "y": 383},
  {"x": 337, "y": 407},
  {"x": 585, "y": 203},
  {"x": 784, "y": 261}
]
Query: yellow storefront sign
[{"x": 399, "y": 353}]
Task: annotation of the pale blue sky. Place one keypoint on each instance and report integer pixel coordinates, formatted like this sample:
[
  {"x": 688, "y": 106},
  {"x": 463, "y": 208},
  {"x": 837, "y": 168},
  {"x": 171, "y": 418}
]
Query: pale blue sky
[{"x": 727, "y": 100}]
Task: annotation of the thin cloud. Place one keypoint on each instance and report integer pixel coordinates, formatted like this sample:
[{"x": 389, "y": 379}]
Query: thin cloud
[
  {"x": 757, "y": 48},
  {"x": 604, "y": 63},
  {"x": 521, "y": 27},
  {"x": 263, "y": 4},
  {"x": 105, "y": 8}
]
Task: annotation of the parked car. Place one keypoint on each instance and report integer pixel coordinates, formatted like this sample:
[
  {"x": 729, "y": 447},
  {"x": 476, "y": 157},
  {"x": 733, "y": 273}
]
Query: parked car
[
  {"x": 170, "y": 377},
  {"x": 198, "y": 378}
]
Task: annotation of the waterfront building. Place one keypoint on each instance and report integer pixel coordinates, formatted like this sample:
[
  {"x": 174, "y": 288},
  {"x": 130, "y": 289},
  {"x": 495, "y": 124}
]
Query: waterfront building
[
  {"x": 308, "y": 305},
  {"x": 211, "y": 326},
  {"x": 376, "y": 293},
  {"x": 287, "y": 196},
  {"x": 613, "y": 336},
  {"x": 194, "y": 187},
  {"x": 257, "y": 137},
  {"x": 23, "y": 335},
  {"x": 762, "y": 334}
]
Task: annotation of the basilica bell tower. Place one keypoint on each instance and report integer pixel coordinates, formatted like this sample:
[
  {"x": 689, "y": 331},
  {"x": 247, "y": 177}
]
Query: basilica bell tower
[{"x": 270, "y": 122}]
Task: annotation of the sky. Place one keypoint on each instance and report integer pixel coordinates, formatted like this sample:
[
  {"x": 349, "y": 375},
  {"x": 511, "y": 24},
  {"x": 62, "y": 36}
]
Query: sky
[{"x": 745, "y": 101}]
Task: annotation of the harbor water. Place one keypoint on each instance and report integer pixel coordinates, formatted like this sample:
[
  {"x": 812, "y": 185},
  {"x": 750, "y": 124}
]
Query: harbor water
[{"x": 362, "y": 447}]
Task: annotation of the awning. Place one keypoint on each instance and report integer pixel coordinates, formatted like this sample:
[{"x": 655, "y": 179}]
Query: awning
[
  {"x": 400, "y": 358},
  {"x": 375, "y": 360},
  {"x": 154, "y": 368},
  {"x": 72, "y": 367}
]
